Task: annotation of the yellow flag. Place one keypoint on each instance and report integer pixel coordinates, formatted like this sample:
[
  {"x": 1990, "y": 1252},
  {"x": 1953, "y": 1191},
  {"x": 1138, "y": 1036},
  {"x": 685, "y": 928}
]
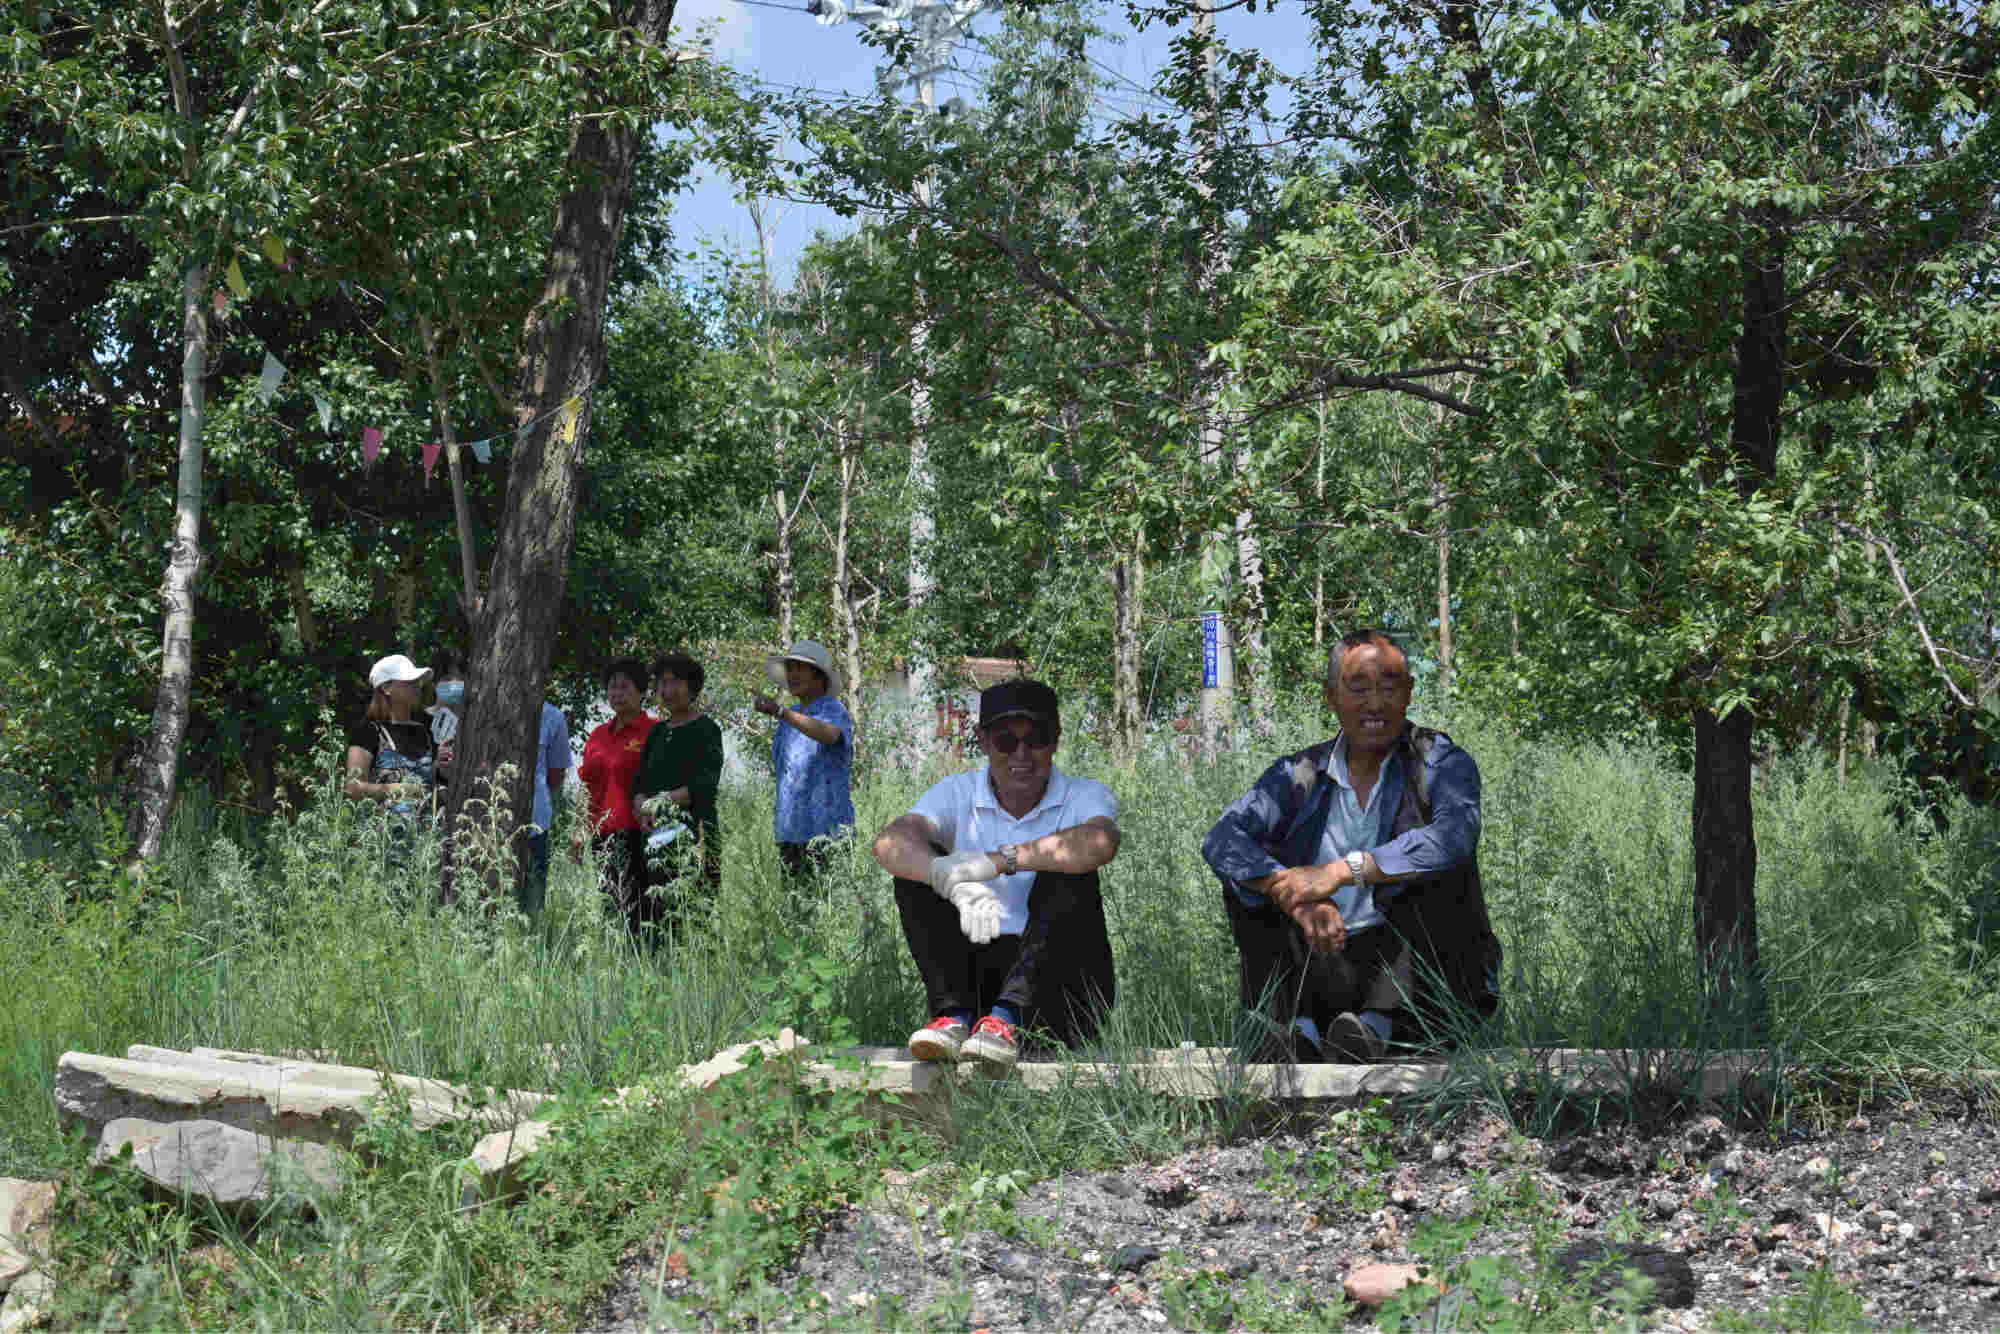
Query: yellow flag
[
  {"x": 234, "y": 276},
  {"x": 274, "y": 250},
  {"x": 571, "y": 411}
]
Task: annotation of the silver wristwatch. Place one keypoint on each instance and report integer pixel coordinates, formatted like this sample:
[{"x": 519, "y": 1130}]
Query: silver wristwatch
[{"x": 1357, "y": 862}]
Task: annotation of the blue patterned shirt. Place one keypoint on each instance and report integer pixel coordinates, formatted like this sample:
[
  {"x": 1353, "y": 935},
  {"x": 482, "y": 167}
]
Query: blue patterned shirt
[{"x": 813, "y": 793}]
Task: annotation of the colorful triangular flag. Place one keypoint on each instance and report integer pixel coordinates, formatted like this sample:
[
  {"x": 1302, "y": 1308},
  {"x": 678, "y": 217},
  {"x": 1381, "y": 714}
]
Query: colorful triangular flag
[
  {"x": 221, "y": 302},
  {"x": 431, "y": 452},
  {"x": 482, "y": 450},
  {"x": 233, "y": 275},
  {"x": 273, "y": 376},
  {"x": 571, "y": 410},
  {"x": 371, "y": 443},
  {"x": 325, "y": 412},
  {"x": 274, "y": 250}
]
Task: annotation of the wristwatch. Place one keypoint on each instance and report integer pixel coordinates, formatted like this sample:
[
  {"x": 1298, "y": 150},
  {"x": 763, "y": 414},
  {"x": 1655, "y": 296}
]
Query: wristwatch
[
  {"x": 1012, "y": 852},
  {"x": 1357, "y": 862}
]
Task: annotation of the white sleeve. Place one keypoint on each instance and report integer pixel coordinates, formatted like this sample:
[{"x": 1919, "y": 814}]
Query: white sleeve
[{"x": 942, "y": 806}]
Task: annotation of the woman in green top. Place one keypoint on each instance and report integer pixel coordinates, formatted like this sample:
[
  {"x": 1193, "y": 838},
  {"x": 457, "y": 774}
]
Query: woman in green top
[{"x": 681, "y": 766}]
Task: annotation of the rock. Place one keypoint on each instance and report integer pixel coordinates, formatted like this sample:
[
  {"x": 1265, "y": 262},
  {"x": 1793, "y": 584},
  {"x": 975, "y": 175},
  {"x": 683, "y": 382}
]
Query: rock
[
  {"x": 1008, "y": 1264},
  {"x": 1606, "y": 1262},
  {"x": 27, "y": 1301},
  {"x": 283, "y": 1100},
  {"x": 1833, "y": 1229},
  {"x": 1372, "y": 1285},
  {"x": 24, "y": 1210},
  {"x": 1134, "y": 1257},
  {"x": 223, "y": 1163},
  {"x": 497, "y": 1159},
  {"x": 901, "y": 1190},
  {"x": 730, "y": 1060},
  {"x": 1167, "y": 1187},
  {"x": 1706, "y": 1137}
]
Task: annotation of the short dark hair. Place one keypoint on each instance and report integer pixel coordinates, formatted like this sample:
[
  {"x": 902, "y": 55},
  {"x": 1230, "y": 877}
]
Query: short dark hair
[
  {"x": 631, "y": 669},
  {"x": 684, "y": 668},
  {"x": 447, "y": 665},
  {"x": 1354, "y": 639}
]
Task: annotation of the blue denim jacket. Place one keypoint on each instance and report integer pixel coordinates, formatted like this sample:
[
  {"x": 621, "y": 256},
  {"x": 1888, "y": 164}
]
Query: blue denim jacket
[{"x": 1279, "y": 822}]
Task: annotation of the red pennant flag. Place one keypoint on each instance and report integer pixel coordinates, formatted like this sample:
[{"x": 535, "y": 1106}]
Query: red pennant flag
[
  {"x": 431, "y": 452},
  {"x": 221, "y": 300},
  {"x": 371, "y": 443}
]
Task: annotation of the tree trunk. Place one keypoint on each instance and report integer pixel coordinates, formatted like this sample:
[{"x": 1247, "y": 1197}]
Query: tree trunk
[
  {"x": 781, "y": 554},
  {"x": 1445, "y": 655},
  {"x": 561, "y": 357},
  {"x": 159, "y": 766},
  {"x": 848, "y": 452},
  {"x": 1319, "y": 548},
  {"x": 468, "y": 562},
  {"x": 1218, "y": 688},
  {"x": 783, "y": 512},
  {"x": 1256, "y": 645},
  {"x": 1725, "y": 867},
  {"x": 1725, "y": 847},
  {"x": 1128, "y": 587}
]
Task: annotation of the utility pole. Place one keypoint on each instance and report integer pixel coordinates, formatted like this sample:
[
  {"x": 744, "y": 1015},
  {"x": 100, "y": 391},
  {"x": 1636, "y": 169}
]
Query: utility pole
[{"x": 936, "y": 26}]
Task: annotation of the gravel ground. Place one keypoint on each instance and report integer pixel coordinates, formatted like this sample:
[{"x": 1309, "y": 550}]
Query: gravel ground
[{"x": 1900, "y": 1204}]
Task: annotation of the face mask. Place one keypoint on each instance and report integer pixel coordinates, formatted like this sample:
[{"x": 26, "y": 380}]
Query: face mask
[{"x": 451, "y": 695}]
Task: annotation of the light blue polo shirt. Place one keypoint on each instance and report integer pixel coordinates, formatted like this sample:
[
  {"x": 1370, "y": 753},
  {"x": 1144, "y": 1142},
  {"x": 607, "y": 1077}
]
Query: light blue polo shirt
[{"x": 1352, "y": 827}]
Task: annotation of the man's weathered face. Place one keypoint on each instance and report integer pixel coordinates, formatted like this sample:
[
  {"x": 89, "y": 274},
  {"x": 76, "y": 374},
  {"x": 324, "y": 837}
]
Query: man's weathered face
[
  {"x": 1371, "y": 697},
  {"x": 1024, "y": 770}
]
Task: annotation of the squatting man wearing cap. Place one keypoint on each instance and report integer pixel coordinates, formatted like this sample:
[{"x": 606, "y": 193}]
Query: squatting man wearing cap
[
  {"x": 1350, "y": 878},
  {"x": 996, "y": 882}
]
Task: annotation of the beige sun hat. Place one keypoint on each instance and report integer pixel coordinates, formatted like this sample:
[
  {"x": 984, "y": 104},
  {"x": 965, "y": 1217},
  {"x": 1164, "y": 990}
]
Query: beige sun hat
[{"x": 805, "y": 650}]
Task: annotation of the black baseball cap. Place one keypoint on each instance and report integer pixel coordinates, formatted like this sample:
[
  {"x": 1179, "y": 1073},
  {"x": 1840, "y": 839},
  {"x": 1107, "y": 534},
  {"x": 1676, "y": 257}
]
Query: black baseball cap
[{"x": 1017, "y": 699}]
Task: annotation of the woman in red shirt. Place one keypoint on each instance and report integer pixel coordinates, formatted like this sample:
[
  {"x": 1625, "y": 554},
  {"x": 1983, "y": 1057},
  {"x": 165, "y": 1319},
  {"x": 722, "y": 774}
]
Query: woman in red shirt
[{"x": 610, "y": 759}]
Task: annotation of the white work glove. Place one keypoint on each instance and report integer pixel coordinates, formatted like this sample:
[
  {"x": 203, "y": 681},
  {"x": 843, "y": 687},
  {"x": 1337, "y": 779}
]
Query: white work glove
[
  {"x": 979, "y": 910},
  {"x": 956, "y": 868}
]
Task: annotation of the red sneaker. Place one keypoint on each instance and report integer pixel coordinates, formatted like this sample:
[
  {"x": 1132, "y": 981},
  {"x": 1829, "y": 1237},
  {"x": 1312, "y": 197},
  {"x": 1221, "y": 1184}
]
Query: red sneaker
[
  {"x": 992, "y": 1045},
  {"x": 939, "y": 1040}
]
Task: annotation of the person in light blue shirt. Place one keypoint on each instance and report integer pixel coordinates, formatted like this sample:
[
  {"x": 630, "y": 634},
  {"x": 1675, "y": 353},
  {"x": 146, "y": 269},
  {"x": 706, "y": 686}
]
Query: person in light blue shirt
[
  {"x": 553, "y": 762},
  {"x": 1351, "y": 880},
  {"x": 812, "y": 754}
]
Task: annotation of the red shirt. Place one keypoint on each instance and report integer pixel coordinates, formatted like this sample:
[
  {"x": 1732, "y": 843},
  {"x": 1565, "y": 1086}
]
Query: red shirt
[{"x": 610, "y": 758}]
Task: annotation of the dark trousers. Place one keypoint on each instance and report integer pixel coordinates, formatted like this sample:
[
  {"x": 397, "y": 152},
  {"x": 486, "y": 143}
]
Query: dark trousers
[
  {"x": 654, "y": 904},
  {"x": 1057, "y": 975},
  {"x": 532, "y": 890},
  {"x": 1279, "y": 975}
]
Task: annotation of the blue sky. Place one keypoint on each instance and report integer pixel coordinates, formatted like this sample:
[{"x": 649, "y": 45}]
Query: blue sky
[{"x": 782, "y": 45}]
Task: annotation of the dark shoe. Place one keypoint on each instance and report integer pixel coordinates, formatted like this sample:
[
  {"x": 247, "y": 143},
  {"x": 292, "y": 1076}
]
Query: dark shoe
[
  {"x": 1305, "y": 1050},
  {"x": 1351, "y": 1042}
]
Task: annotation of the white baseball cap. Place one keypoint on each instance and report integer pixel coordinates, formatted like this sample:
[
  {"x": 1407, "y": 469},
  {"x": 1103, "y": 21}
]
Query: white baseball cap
[{"x": 395, "y": 667}]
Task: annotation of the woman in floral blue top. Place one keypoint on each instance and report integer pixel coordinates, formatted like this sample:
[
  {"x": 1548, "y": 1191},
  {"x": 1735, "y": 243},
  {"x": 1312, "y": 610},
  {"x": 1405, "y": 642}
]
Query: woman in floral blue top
[{"x": 812, "y": 752}]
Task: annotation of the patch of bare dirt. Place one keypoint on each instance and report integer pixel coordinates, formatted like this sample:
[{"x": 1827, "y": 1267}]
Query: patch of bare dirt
[{"x": 1898, "y": 1204}]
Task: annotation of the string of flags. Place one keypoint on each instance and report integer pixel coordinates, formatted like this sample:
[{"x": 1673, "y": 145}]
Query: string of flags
[{"x": 570, "y": 411}]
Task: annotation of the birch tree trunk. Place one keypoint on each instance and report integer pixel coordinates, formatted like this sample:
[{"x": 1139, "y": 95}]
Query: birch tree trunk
[
  {"x": 159, "y": 766},
  {"x": 1217, "y": 700},
  {"x": 468, "y": 561},
  {"x": 560, "y": 359},
  {"x": 1128, "y": 587},
  {"x": 845, "y": 622}
]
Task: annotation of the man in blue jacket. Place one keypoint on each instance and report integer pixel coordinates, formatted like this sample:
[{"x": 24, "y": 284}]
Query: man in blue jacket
[{"x": 1350, "y": 877}]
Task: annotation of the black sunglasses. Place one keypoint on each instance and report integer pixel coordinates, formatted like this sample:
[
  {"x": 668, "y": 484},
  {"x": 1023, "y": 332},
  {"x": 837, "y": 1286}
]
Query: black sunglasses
[{"x": 1039, "y": 735}]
